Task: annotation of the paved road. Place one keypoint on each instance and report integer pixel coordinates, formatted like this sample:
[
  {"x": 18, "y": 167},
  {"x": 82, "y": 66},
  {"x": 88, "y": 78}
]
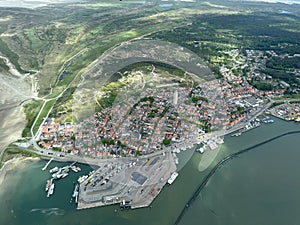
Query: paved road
[{"x": 95, "y": 161}]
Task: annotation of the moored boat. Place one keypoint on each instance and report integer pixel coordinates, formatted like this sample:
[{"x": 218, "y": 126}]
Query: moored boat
[
  {"x": 54, "y": 170},
  {"x": 173, "y": 177},
  {"x": 51, "y": 190},
  {"x": 49, "y": 182}
]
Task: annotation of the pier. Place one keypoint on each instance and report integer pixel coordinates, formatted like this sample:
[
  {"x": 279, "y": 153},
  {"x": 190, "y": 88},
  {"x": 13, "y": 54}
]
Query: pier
[{"x": 48, "y": 163}]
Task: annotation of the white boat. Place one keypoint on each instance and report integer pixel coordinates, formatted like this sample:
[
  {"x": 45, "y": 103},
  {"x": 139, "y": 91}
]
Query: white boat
[
  {"x": 54, "y": 170},
  {"x": 64, "y": 175},
  {"x": 82, "y": 178},
  {"x": 49, "y": 182},
  {"x": 75, "y": 169},
  {"x": 76, "y": 193},
  {"x": 58, "y": 175},
  {"x": 173, "y": 177},
  {"x": 51, "y": 190}
]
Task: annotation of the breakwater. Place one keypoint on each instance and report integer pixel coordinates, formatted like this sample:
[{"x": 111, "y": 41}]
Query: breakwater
[{"x": 219, "y": 164}]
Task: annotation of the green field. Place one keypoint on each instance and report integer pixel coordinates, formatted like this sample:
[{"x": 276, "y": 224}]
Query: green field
[
  {"x": 31, "y": 110},
  {"x": 43, "y": 114}
]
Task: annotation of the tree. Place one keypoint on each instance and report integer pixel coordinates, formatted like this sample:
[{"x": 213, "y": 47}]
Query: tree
[{"x": 166, "y": 141}]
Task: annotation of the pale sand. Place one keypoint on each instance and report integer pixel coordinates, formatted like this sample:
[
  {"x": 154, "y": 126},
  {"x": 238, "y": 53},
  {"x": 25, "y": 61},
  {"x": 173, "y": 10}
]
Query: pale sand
[
  {"x": 12, "y": 123},
  {"x": 13, "y": 164}
]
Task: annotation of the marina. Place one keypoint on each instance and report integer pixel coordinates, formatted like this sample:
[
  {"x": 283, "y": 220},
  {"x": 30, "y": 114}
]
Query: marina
[
  {"x": 60, "y": 173},
  {"x": 251, "y": 125}
]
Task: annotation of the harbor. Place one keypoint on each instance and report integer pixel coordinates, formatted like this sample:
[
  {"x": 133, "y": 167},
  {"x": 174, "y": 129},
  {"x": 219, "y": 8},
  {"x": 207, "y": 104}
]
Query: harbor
[
  {"x": 134, "y": 182},
  {"x": 253, "y": 124},
  {"x": 57, "y": 209},
  {"x": 60, "y": 173}
]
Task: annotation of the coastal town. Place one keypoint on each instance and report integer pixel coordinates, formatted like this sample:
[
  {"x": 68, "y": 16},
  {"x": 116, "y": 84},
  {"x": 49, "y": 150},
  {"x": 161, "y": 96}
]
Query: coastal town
[
  {"x": 146, "y": 131},
  {"x": 149, "y": 112},
  {"x": 164, "y": 118}
]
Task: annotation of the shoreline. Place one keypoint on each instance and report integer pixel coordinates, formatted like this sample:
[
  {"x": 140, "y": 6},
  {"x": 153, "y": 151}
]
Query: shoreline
[{"x": 13, "y": 164}]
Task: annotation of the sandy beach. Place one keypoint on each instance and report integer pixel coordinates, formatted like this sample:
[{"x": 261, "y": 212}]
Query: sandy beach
[{"x": 13, "y": 164}]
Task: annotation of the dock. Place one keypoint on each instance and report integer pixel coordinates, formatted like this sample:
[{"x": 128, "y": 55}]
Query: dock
[{"x": 48, "y": 163}]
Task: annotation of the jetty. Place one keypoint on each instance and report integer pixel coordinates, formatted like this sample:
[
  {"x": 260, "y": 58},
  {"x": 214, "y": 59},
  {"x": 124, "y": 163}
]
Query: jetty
[{"x": 48, "y": 163}]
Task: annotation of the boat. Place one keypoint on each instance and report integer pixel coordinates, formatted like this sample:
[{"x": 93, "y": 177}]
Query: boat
[
  {"x": 76, "y": 189},
  {"x": 125, "y": 205},
  {"x": 65, "y": 169},
  {"x": 82, "y": 178},
  {"x": 51, "y": 190},
  {"x": 76, "y": 193},
  {"x": 236, "y": 134},
  {"x": 64, "y": 175},
  {"x": 58, "y": 175},
  {"x": 75, "y": 169},
  {"x": 49, "y": 182},
  {"x": 173, "y": 177},
  {"x": 54, "y": 170},
  {"x": 201, "y": 150}
]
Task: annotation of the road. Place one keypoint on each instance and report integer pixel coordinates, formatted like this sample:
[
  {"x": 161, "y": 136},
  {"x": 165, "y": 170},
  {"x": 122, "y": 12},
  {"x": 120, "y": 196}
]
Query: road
[{"x": 95, "y": 161}]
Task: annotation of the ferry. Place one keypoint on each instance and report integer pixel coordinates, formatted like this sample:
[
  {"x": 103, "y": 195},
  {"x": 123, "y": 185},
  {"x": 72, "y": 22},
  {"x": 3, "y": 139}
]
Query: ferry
[
  {"x": 51, "y": 190},
  {"x": 173, "y": 177}
]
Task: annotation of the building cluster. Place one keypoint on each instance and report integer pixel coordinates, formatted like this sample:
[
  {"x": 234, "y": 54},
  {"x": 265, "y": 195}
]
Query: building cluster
[
  {"x": 136, "y": 127},
  {"x": 168, "y": 116},
  {"x": 240, "y": 99},
  {"x": 57, "y": 136},
  {"x": 287, "y": 111}
]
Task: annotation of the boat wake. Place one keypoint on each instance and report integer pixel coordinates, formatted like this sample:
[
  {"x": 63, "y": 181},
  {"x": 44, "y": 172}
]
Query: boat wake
[{"x": 49, "y": 211}]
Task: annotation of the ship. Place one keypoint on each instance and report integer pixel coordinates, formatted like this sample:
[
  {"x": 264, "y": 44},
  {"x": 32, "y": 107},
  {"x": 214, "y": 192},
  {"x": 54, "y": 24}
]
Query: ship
[
  {"x": 54, "y": 170},
  {"x": 173, "y": 177},
  {"x": 125, "y": 205},
  {"x": 76, "y": 193},
  {"x": 51, "y": 190},
  {"x": 49, "y": 182}
]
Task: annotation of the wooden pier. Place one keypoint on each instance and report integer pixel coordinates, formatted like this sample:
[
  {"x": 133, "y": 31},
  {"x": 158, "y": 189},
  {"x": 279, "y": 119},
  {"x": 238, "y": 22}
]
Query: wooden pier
[{"x": 46, "y": 166}]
